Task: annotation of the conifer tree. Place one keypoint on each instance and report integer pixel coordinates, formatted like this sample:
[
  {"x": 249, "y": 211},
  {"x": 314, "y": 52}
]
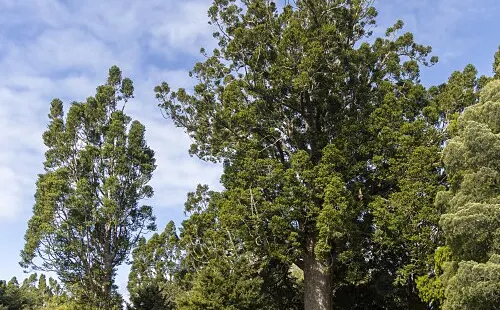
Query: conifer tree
[
  {"x": 155, "y": 263},
  {"x": 326, "y": 143},
  {"x": 87, "y": 215}
]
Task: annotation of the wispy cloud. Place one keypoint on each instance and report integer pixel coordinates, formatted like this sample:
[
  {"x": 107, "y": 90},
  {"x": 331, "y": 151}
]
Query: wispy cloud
[
  {"x": 63, "y": 49},
  {"x": 59, "y": 48}
]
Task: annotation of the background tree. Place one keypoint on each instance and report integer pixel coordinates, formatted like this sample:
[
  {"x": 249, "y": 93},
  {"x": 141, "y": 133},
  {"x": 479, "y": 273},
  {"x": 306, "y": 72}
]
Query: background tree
[
  {"x": 204, "y": 269},
  {"x": 154, "y": 265},
  {"x": 11, "y": 297},
  {"x": 87, "y": 216},
  {"x": 218, "y": 270},
  {"x": 33, "y": 294},
  {"x": 471, "y": 225},
  {"x": 326, "y": 146},
  {"x": 448, "y": 101}
]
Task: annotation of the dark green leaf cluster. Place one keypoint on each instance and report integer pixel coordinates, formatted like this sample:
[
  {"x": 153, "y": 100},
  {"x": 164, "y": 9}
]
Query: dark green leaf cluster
[
  {"x": 154, "y": 266},
  {"x": 206, "y": 267}
]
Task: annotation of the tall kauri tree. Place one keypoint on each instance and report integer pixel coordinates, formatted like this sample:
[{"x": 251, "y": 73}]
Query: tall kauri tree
[
  {"x": 317, "y": 130},
  {"x": 471, "y": 271},
  {"x": 87, "y": 215}
]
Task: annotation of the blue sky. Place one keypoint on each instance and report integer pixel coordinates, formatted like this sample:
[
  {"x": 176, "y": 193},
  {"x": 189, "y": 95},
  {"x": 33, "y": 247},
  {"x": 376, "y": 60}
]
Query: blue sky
[{"x": 63, "y": 48}]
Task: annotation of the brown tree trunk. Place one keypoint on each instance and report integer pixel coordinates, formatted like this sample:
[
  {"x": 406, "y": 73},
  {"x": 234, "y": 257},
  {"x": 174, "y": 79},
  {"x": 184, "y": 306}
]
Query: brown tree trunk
[{"x": 317, "y": 280}]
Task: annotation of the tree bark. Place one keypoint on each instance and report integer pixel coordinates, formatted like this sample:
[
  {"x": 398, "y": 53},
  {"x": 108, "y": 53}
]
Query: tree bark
[{"x": 317, "y": 280}]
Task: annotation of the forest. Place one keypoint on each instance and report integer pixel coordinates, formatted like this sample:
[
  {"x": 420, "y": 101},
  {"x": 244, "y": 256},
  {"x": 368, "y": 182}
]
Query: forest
[{"x": 346, "y": 183}]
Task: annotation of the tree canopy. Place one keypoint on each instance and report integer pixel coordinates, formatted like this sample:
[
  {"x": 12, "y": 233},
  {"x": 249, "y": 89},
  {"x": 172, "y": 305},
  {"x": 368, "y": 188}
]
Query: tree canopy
[
  {"x": 471, "y": 224},
  {"x": 87, "y": 216},
  {"x": 330, "y": 147}
]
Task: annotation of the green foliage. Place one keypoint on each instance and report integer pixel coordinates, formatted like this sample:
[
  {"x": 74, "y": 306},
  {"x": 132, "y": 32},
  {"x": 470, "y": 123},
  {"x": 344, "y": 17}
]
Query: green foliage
[
  {"x": 33, "y": 294},
  {"x": 496, "y": 64},
  {"x": 206, "y": 268},
  {"x": 330, "y": 148},
  {"x": 220, "y": 271},
  {"x": 430, "y": 287},
  {"x": 451, "y": 98},
  {"x": 87, "y": 216},
  {"x": 474, "y": 286},
  {"x": 448, "y": 102},
  {"x": 224, "y": 285},
  {"x": 472, "y": 221},
  {"x": 154, "y": 265}
]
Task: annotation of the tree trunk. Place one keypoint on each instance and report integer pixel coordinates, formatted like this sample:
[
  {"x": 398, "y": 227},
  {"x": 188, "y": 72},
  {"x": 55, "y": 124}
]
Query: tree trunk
[
  {"x": 317, "y": 280},
  {"x": 107, "y": 271},
  {"x": 105, "y": 299}
]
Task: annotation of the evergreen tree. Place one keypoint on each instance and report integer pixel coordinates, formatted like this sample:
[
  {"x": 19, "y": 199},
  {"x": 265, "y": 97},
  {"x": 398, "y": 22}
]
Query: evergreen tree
[
  {"x": 87, "y": 216},
  {"x": 329, "y": 146},
  {"x": 471, "y": 277},
  {"x": 33, "y": 294},
  {"x": 154, "y": 266},
  {"x": 220, "y": 271},
  {"x": 205, "y": 268}
]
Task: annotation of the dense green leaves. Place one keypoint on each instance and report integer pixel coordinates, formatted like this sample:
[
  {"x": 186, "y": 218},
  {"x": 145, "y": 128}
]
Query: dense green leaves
[
  {"x": 206, "y": 268},
  {"x": 474, "y": 285},
  {"x": 472, "y": 222},
  {"x": 87, "y": 216},
  {"x": 33, "y": 294},
  {"x": 154, "y": 266}
]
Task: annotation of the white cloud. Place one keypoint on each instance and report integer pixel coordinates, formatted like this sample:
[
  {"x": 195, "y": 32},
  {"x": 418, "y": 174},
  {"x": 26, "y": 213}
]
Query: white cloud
[
  {"x": 55, "y": 48},
  {"x": 459, "y": 31},
  {"x": 431, "y": 21},
  {"x": 178, "y": 33},
  {"x": 10, "y": 195}
]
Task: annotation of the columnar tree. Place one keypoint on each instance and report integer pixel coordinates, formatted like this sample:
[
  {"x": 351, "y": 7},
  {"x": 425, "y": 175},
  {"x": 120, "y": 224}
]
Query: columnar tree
[
  {"x": 316, "y": 129},
  {"x": 87, "y": 215}
]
